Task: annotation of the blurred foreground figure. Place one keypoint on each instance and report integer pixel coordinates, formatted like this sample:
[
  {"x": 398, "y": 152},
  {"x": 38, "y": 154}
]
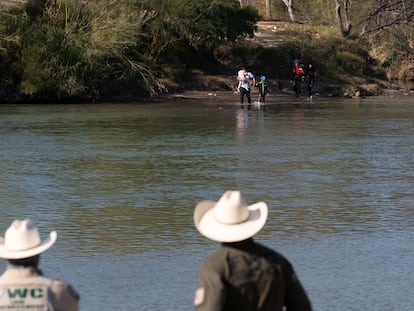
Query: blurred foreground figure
[
  {"x": 22, "y": 285},
  {"x": 242, "y": 274}
]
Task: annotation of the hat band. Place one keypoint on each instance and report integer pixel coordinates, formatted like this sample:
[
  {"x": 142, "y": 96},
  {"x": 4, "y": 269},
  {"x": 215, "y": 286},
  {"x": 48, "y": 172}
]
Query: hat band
[{"x": 21, "y": 249}]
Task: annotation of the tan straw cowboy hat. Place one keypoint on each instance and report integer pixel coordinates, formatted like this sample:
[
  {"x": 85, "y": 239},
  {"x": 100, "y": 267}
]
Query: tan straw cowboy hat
[
  {"x": 229, "y": 219},
  {"x": 22, "y": 240}
]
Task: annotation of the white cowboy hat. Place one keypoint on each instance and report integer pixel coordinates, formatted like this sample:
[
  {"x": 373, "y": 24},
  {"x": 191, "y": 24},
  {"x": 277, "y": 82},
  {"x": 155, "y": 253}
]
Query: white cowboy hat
[
  {"x": 229, "y": 219},
  {"x": 22, "y": 240}
]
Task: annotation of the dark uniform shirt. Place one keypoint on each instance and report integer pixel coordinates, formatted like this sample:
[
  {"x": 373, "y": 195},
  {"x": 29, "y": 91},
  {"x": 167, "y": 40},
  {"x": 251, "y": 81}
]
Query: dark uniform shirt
[{"x": 248, "y": 276}]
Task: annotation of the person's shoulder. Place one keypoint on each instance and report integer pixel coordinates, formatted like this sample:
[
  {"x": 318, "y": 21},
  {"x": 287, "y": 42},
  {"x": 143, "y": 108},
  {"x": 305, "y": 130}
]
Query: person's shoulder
[
  {"x": 218, "y": 254},
  {"x": 271, "y": 253},
  {"x": 216, "y": 261},
  {"x": 64, "y": 295},
  {"x": 60, "y": 283},
  {"x": 59, "y": 286}
]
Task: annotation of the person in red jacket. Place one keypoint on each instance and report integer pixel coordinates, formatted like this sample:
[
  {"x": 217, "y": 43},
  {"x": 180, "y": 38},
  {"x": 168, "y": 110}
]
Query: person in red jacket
[{"x": 298, "y": 75}]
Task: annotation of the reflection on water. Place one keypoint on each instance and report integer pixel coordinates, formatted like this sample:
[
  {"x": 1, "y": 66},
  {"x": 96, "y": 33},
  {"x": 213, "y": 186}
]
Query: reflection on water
[{"x": 119, "y": 184}]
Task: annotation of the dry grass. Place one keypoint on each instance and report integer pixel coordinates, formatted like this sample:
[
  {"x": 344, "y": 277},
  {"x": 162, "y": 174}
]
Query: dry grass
[
  {"x": 9, "y": 3},
  {"x": 272, "y": 34}
]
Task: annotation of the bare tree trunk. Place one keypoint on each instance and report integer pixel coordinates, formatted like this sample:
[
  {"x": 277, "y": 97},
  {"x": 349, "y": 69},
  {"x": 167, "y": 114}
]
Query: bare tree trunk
[
  {"x": 405, "y": 11},
  {"x": 389, "y": 14},
  {"x": 289, "y": 5},
  {"x": 267, "y": 4},
  {"x": 344, "y": 22}
]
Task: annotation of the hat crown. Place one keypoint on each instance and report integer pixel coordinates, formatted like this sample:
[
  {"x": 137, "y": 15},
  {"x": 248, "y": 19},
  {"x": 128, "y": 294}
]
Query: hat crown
[
  {"x": 21, "y": 235},
  {"x": 230, "y": 209}
]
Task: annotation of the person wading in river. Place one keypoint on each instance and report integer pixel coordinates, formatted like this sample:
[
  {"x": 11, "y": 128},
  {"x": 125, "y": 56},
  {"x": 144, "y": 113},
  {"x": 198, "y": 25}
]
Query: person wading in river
[
  {"x": 246, "y": 80},
  {"x": 243, "y": 274},
  {"x": 298, "y": 76},
  {"x": 23, "y": 285},
  {"x": 310, "y": 77},
  {"x": 263, "y": 89}
]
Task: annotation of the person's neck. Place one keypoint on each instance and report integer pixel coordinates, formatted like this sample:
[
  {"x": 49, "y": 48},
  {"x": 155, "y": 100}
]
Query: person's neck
[
  {"x": 239, "y": 243},
  {"x": 28, "y": 267}
]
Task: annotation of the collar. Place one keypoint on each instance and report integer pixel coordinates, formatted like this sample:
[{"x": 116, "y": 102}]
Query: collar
[{"x": 13, "y": 272}]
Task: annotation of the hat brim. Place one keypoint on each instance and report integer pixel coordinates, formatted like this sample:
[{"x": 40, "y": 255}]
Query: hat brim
[
  {"x": 208, "y": 226},
  {"x": 12, "y": 254}
]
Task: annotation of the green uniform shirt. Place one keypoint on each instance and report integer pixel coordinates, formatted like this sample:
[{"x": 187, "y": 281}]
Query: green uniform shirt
[{"x": 248, "y": 276}]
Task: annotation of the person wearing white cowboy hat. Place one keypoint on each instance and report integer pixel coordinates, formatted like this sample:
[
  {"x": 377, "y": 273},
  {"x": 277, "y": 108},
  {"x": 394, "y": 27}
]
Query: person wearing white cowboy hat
[
  {"x": 22, "y": 285},
  {"x": 243, "y": 274}
]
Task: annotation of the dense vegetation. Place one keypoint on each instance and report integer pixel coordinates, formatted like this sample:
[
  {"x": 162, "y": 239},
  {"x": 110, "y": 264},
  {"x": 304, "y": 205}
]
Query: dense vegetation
[
  {"x": 95, "y": 49},
  {"x": 91, "y": 50},
  {"x": 385, "y": 28}
]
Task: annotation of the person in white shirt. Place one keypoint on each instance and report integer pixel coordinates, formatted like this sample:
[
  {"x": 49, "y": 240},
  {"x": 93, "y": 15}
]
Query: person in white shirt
[{"x": 246, "y": 80}]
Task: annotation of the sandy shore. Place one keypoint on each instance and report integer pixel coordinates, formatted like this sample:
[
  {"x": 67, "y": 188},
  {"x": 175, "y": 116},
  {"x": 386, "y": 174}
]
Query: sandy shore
[
  {"x": 273, "y": 98},
  {"x": 222, "y": 89}
]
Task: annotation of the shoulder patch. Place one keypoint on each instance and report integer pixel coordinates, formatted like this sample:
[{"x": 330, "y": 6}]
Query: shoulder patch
[{"x": 199, "y": 296}]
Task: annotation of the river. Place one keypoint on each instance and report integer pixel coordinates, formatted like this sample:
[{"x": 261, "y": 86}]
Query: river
[{"x": 119, "y": 182}]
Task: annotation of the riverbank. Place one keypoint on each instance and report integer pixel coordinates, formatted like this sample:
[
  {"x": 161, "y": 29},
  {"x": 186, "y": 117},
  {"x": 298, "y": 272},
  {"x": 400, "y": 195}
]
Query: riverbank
[
  {"x": 344, "y": 67},
  {"x": 223, "y": 88},
  {"x": 342, "y": 72},
  {"x": 218, "y": 88}
]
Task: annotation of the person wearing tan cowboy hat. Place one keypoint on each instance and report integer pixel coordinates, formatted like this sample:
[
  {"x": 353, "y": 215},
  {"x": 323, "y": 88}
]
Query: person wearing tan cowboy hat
[
  {"x": 22, "y": 285},
  {"x": 243, "y": 274}
]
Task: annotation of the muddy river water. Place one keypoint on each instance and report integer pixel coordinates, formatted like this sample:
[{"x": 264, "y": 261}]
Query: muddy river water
[{"x": 119, "y": 183}]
